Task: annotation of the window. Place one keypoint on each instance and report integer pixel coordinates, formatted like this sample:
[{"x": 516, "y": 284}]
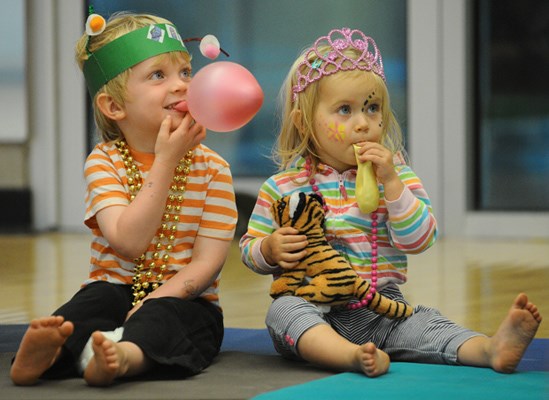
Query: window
[{"x": 512, "y": 111}]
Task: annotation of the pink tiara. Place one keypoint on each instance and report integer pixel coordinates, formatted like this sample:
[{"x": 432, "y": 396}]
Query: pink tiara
[{"x": 316, "y": 65}]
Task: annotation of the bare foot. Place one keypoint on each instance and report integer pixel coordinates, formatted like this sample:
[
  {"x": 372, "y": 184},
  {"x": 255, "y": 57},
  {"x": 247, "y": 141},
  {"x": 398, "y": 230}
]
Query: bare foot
[
  {"x": 39, "y": 349},
  {"x": 105, "y": 364},
  {"x": 513, "y": 336},
  {"x": 372, "y": 361}
]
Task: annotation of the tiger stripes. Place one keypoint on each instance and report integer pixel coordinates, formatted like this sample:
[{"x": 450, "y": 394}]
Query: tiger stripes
[{"x": 323, "y": 276}]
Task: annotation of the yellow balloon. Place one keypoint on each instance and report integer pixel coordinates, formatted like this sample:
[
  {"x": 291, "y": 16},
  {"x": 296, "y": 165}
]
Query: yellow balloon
[{"x": 366, "y": 190}]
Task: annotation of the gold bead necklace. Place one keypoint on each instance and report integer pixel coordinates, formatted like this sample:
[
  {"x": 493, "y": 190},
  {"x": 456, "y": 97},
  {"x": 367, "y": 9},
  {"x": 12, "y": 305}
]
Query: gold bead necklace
[{"x": 148, "y": 274}]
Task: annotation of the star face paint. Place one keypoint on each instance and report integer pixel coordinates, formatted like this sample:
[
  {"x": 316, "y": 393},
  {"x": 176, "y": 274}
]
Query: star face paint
[{"x": 336, "y": 131}]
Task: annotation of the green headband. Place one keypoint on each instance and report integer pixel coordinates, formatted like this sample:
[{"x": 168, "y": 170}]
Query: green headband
[{"x": 128, "y": 50}]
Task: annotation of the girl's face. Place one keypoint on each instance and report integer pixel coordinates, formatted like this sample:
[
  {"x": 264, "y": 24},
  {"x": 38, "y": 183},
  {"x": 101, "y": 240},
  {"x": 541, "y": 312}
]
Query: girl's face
[
  {"x": 348, "y": 111},
  {"x": 154, "y": 87}
]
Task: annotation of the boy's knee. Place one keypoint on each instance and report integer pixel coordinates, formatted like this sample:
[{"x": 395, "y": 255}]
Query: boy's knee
[{"x": 105, "y": 293}]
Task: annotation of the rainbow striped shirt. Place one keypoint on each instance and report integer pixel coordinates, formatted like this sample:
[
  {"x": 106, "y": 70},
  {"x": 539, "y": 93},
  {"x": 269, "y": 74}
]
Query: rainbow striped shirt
[{"x": 406, "y": 225}]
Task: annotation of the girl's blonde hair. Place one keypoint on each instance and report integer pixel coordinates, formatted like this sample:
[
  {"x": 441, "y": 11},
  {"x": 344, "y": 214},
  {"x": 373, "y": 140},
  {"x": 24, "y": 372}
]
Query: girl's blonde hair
[
  {"x": 297, "y": 137},
  {"x": 118, "y": 25}
]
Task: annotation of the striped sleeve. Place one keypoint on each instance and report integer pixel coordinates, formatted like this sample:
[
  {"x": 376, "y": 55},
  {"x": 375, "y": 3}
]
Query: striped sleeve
[
  {"x": 412, "y": 225},
  {"x": 219, "y": 214},
  {"x": 104, "y": 184},
  {"x": 260, "y": 225}
]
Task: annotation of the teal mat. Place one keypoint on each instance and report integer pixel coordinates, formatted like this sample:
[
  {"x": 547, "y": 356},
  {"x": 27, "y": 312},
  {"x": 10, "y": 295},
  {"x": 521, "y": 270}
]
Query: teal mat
[{"x": 410, "y": 381}]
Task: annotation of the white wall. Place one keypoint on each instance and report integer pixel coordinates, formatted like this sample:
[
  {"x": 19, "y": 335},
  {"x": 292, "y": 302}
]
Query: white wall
[{"x": 56, "y": 114}]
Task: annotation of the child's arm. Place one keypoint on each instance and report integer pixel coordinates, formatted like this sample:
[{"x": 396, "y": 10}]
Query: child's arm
[
  {"x": 265, "y": 248},
  {"x": 412, "y": 226},
  {"x": 130, "y": 229},
  {"x": 208, "y": 258}
]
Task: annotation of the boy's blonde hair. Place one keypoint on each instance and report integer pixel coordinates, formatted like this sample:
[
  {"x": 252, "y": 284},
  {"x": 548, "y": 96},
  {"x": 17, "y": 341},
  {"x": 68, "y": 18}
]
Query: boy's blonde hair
[
  {"x": 118, "y": 25},
  {"x": 297, "y": 137}
]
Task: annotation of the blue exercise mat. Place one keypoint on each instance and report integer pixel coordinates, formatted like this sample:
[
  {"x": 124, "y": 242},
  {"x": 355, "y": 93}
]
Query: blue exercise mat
[
  {"x": 254, "y": 341},
  {"x": 412, "y": 381}
]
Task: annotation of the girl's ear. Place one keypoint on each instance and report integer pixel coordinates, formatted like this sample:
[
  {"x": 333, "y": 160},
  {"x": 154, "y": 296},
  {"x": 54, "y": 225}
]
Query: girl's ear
[
  {"x": 110, "y": 108},
  {"x": 297, "y": 119}
]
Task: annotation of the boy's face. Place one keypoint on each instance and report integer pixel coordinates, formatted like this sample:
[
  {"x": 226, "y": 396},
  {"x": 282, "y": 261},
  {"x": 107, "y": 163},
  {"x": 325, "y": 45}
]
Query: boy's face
[
  {"x": 348, "y": 111},
  {"x": 154, "y": 87}
]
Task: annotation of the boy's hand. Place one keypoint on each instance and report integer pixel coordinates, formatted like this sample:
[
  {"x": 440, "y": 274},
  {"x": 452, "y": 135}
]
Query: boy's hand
[
  {"x": 173, "y": 143},
  {"x": 284, "y": 247}
]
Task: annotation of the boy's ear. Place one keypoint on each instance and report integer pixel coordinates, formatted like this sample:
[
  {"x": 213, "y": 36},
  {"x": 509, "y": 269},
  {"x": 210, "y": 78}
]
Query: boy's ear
[
  {"x": 109, "y": 107},
  {"x": 297, "y": 119}
]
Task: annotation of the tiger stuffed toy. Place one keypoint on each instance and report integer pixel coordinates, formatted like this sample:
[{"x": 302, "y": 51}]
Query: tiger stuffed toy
[{"x": 333, "y": 281}]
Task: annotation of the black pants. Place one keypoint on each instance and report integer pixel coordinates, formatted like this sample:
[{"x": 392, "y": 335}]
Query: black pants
[{"x": 180, "y": 337}]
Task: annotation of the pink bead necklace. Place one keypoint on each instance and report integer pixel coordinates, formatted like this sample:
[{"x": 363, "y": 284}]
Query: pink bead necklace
[{"x": 374, "y": 216}]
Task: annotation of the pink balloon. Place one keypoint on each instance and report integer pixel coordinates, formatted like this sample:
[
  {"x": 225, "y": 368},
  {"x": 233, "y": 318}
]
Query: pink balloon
[{"x": 224, "y": 96}]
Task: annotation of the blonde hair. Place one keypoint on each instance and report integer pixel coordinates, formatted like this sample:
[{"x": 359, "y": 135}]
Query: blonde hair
[
  {"x": 296, "y": 135},
  {"x": 118, "y": 25}
]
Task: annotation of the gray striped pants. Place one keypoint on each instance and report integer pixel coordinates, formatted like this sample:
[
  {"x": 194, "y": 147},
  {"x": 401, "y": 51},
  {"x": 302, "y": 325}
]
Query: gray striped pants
[{"x": 426, "y": 336}]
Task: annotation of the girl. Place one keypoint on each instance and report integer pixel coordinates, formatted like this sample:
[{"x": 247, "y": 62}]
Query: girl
[
  {"x": 161, "y": 209},
  {"x": 335, "y": 98}
]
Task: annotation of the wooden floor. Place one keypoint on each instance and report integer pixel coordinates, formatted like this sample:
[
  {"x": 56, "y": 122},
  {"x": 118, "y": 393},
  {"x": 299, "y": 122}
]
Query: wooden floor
[{"x": 473, "y": 282}]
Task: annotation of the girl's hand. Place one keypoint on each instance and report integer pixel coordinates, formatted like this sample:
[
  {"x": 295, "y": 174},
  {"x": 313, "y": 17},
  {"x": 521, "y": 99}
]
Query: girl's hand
[
  {"x": 384, "y": 168},
  {"x": 173, "y": 143},
  {"x": 284, "y": 247}
]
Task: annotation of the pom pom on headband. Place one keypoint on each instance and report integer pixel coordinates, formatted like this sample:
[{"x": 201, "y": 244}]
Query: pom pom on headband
[
  {"x": 319, "y": 62},
  {"x": 209, "y": 47},
  {"x": 95, "y": 24}
]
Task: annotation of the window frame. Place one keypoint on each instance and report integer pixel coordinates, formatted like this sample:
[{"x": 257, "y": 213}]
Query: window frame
[{"x": 441, "y": 148}]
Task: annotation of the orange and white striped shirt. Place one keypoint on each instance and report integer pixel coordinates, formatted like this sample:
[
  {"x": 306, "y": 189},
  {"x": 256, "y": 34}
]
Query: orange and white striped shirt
[{"x": 208, "y": 209}]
